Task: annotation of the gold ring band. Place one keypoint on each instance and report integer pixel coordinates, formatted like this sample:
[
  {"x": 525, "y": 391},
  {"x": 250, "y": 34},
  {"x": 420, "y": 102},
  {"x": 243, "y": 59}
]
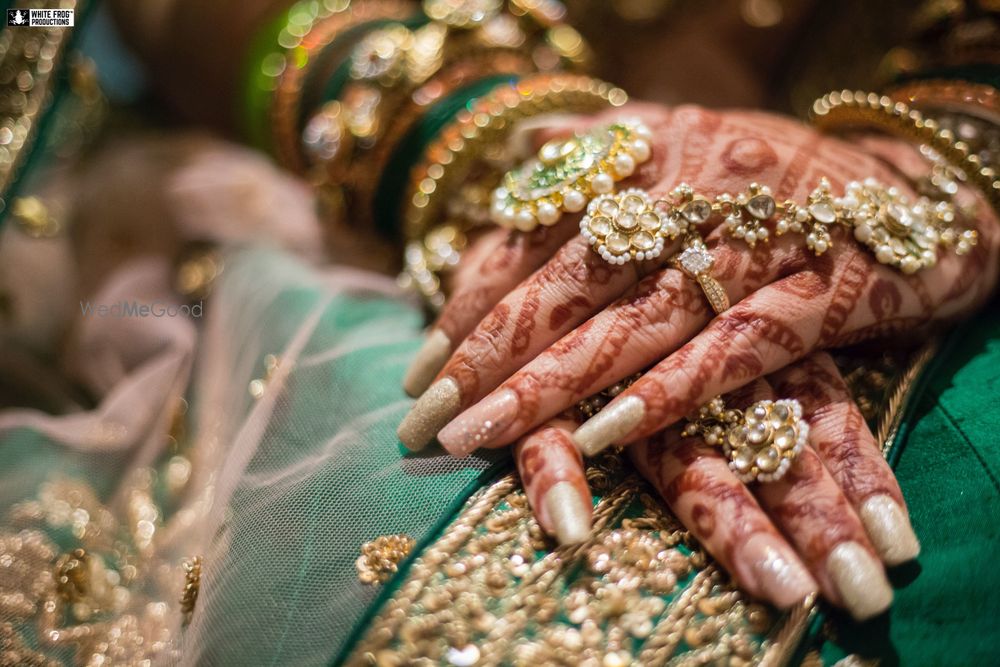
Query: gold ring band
[{"x": 695, "y": 261}]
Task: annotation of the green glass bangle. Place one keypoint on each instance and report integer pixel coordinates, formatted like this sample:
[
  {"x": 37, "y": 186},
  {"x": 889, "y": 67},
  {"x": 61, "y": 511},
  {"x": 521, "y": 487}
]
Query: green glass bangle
[
  {"x": 388, "y": 198},
  {"x": 265, "y": 62}
]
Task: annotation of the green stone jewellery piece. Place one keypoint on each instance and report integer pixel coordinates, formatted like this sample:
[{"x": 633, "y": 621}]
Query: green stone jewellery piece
[{"x": 567, "y": 173}]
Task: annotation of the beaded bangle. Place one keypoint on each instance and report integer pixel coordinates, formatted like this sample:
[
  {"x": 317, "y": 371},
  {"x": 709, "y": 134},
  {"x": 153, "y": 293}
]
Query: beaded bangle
[
  {"x": 971, "y": 111},
  {"x": 838, "y": 110},
  {"x": 392, "y": 181}
]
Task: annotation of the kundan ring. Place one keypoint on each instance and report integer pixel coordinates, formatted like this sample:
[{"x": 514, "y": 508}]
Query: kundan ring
[
  {"x": 627, "y": 226},
  {"x": 760, "y": 442}
]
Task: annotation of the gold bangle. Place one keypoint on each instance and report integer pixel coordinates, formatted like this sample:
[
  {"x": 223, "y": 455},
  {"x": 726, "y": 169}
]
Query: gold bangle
[
  {"x": 398, "y": 72},
  {"x": 975, "y": 99},
  {"x": 845, "y": 109}
]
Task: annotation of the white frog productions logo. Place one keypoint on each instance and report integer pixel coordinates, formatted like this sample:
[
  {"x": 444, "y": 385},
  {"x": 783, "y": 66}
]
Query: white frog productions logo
[{"x": 40, "y": 18}]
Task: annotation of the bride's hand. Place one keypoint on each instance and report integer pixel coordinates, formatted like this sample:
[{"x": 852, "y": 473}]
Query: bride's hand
[
  {"x": 828, "y": 525},
  {"x": 517, "y": 346}
]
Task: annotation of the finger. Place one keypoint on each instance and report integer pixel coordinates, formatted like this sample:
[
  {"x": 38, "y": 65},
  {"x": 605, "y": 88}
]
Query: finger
[
  {"x": 696, "y": 483},
  {"x": 662, "y": 312},
  {"x": 502, "y": 260},
  {"x": 848, "y": 449},
  {"x": 564, "y": 292},
  {"x": 551, "y": 469},
  {"x": 766, "y": 331},
  {"x": 809, "y": 508}
]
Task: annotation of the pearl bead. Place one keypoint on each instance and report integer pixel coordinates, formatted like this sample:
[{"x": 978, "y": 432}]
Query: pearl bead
[
  {"x": 525, "y": 221},
  {"x": 909, "y": 265},
  {"x": 548, "y": 214},
  {"x": 641, "y": 149},
  {"x": 574, "y": 201},
  {"x": 508, "y": 216},
  {"x": 602, "y": 183},
  {"x": 624, "y": 165}
]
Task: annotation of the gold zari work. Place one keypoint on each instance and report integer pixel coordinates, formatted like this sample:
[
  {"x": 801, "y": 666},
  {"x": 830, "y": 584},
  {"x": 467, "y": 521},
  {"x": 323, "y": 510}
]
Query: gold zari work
[
  {"x": 493, "y": 591},
  {"x": 380, "y": 558}
]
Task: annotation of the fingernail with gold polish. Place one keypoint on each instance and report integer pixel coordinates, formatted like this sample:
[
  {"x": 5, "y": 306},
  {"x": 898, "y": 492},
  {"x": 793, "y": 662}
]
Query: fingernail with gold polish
[
  {"x": 860, "y": 579},
  {"x": 438, "y": 406},
  {"x": 569, "y": 515},
  {"x": 429, "y": 360},
  {"x": 612, "y": 423},
  {"x": 481, "y": 424},
  {"x": 889, "y": 529},
  {"x": 782, "y": 578}
]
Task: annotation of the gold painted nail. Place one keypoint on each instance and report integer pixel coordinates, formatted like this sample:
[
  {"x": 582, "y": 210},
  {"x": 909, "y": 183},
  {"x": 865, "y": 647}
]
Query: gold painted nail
[
  {"x": 889, "y": 529},
  {"x": 612, "y": 423},
  {"x": 481, "y": 424},
  {"x": 782, "y": 579},
  {"x": 860, "y": 579},
  {"x": 428, "y": 362},
  {"x": 438, "y": 406},
  {"x": 569, "y": 515}
]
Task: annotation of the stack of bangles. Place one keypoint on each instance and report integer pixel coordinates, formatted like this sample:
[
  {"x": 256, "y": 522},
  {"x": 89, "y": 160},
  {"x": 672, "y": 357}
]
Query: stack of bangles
[{"x": 408, "y": 116}]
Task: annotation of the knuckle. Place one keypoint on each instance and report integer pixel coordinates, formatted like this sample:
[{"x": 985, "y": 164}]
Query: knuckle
[
  {"x": 482, "y": 349},
  {"x": 692, "y": 116},
  {"x": 736, "y": 331}
]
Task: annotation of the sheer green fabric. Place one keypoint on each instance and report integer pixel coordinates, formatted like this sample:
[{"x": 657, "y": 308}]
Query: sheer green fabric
[{"x": 315, "y": 469}]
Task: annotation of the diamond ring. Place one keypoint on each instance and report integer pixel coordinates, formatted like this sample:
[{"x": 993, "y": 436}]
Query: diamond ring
[{"x": 696, "y": 262}]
